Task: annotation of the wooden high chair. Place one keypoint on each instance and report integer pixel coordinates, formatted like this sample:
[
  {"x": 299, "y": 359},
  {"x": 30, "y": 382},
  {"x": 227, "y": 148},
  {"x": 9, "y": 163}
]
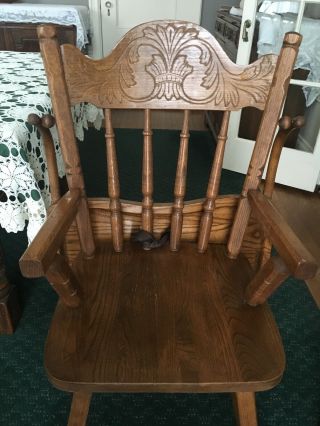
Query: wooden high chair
[{"x": 190, "y": 316}]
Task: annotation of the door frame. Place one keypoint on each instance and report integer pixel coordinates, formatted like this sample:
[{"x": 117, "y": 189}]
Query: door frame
[
  {"x": 239, "y": 150},
  {"x": 95, "y": 28}
]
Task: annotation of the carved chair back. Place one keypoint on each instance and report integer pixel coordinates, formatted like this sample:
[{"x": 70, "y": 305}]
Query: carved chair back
[{"x": 165, "y": 65}]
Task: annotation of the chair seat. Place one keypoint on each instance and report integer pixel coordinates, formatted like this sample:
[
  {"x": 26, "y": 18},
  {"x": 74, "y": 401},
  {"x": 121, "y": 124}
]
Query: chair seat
[{"x": 155, "y": 321}]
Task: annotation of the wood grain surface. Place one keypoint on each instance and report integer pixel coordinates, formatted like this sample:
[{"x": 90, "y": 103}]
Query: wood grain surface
[
  {"x": 266, "y": 281},
  {"x": 297, "y": 258},
  {"x": 245, "y": 409},
  {"x": 213, "y": 186},
  {"x": 167, "y": 64},
  {"x": 225, "y": 208},
  {"x": 40, "y": 254},
  {"x": 180, "y": 185},
  {"x": 267, "y": 130},
  {"x": 145, "y": 328},
  {"x": 147, "y": 174},
  {"x": 113, "y": 185},
  {"x": 79, "y": 409},
  {"x": 166, "y": 320},
  {"x": 50, "y": 51}
]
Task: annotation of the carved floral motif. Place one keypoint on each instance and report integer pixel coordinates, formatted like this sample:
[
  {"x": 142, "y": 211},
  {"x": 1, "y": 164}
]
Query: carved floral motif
[
  {"x": 183, "y": 66},
  {"x": 169, "y": 67}
]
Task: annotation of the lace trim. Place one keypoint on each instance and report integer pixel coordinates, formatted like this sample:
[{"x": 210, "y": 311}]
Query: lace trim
[{"x": 24, "y": 184}]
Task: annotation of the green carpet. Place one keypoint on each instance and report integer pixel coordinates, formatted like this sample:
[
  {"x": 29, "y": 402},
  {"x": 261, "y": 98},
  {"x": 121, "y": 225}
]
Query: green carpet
[
  {"x": 27, "y": 398},
  {"x": 165, "y": 152}
]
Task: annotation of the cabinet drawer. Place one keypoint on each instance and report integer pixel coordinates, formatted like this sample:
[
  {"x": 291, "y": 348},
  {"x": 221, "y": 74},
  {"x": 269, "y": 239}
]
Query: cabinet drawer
[
  {"x": 219, "y": 26},
  {"x": 231, "y": 33},
  {"x": 23, "y": 37},
  {"x": 228, "y": 46}
]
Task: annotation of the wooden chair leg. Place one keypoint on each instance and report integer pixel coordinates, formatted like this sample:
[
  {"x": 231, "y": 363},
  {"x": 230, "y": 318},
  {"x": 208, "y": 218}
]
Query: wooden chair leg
[
  {"x": 10, "y": 311},
  {"x": 245, "y": 408},
  {"x": 79, "y": 409}
]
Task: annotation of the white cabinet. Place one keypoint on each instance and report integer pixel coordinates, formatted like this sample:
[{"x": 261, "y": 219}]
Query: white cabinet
[{"x": 111, "y": 19}]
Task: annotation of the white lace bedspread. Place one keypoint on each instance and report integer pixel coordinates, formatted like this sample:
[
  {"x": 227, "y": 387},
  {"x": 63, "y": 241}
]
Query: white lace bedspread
[
  {"x": 271, "y": 32},
  {"x": 24, "y": 186},
  {"x": 56, "y": 14}
]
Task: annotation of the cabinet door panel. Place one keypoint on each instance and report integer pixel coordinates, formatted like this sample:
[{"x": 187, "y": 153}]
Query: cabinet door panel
[
  {"x": 23, "y": 37},
  {"x": 143, "y": 11}
]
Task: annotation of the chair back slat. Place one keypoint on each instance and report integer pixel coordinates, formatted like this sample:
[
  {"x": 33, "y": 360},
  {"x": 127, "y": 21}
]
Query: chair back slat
[
  {"x": 213, "y": 185},
  {"x": 265, "y": 137},
  {"x": 180, "y": 184},
  {"x": 170, "y": 65},
  {"x": 147, "y": 174},
  {"x": 113, "y": 184},
  {"x": 167, "y": 64},
  {"x": 60, "y": 99}
]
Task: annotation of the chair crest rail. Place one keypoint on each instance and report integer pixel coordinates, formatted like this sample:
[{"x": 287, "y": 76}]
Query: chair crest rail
[{"x": 167, "y": 64}]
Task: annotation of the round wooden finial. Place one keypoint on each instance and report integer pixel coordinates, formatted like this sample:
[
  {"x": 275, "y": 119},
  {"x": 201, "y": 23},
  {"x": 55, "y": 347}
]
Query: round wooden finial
[
  {"x": 48, "y": 121},
  {"x": 298, "y": 121},
  {"x": 285, "y": 122},
  {"x": 46, "y": 31},
  {"x": 292, "y": 39},
  {"x": 34, "y": 119}
]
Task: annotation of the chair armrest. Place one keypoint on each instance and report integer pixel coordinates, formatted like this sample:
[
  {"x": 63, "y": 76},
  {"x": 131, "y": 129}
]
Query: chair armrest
[
  {"x": 37, "y": 258},
  {"x": 296, "y": 257}
]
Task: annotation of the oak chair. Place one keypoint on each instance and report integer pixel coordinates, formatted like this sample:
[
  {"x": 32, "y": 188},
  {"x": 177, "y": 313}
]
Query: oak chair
[{"x": 190, "y": 316}]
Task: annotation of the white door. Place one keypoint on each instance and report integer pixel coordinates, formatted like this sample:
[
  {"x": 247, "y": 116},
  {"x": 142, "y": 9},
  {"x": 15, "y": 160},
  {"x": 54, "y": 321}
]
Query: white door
[
  {"x": 118, "y": 16},
  {"x": 300, "y": 161}
]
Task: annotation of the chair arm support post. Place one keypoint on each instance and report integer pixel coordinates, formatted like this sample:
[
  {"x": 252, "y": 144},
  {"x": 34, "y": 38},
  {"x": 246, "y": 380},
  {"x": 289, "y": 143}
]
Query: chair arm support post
[
  {"x": 63, "y": 280},
  {"x": 296, "y": 257},
  {"x": 287, "y": 127},
  {"x": 266, "y": 281},
  {"x": 39, "y": 255}
]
